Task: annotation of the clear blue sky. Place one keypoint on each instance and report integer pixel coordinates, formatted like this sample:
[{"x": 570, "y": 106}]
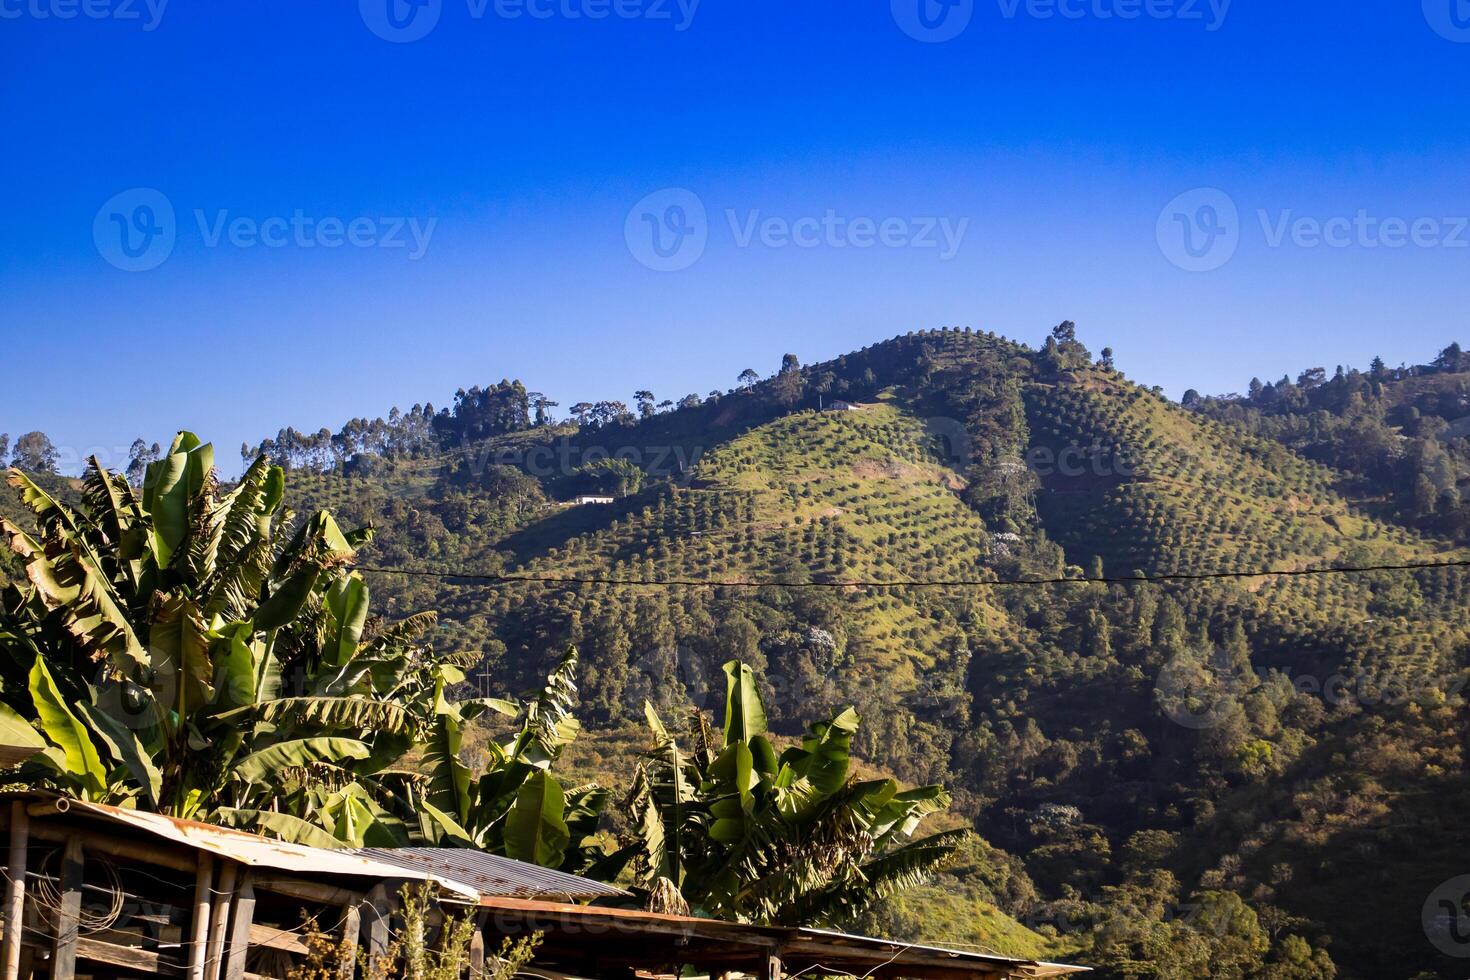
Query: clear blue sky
[{"x": 528, "y": 140}]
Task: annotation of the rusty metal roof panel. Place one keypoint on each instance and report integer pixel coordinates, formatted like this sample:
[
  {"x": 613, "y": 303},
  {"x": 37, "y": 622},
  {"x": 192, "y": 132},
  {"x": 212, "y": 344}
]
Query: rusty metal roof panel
[
  {"x": 802, "y": 949},
  {"x": 14, "y": 755},
  {"x": 490, "y": 874},
  {"x": 249, "y": 849}
]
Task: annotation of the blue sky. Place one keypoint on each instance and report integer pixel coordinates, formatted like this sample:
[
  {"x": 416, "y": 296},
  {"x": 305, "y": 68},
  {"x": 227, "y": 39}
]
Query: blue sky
[{"x": 1061, "y": 144}]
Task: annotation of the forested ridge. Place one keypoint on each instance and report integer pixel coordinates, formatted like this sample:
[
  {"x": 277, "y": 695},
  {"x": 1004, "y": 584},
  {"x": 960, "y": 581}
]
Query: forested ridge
[{"x": 1261, "y": 776}]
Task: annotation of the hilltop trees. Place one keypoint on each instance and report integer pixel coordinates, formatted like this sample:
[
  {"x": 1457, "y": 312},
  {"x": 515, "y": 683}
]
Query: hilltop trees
[
  {"x": 1400, "y": 431},
  {"x": 34, "y": 453}
]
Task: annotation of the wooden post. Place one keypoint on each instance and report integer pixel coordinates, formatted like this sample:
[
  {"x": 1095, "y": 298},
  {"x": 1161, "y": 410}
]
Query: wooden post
[
  {"x": 68, "y": 917},
  {"x": 771, "y": 968},
  {"x": 377, "y": 911},
  {"x": 477, "y": 946},
  {"x": 214, "y": 953},
  {"x": 199, "y": 923},
  {"x": 244, "y": 917},
  {"x": 15, "y": 889},
  {"x": 351, "y": 927}
]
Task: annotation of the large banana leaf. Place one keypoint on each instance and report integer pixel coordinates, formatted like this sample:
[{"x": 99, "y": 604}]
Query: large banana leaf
[
  {"x": 171, "y": 485},
  {"x": 124, "y": 745},
  {"x": 262, "y": 765},
  {"x": 345, "y": 611},
  {"x": 235, "y": 659},
  {"x": 66, "y": 731},
  {"x": 825, "y": 755},
  {"x": 17, "y": 733},
  {"x": 279, "y": 825},
  {"x": 68, "y": 577},
  {"x": 449, "y": 779},
  {"x": 114, "y": 508},
  {"x": 179, "y": 644},
  {"x": 339, "y": 714},
  {"x": 535, "y": 830},
  {"x": 745, "y": 715}
]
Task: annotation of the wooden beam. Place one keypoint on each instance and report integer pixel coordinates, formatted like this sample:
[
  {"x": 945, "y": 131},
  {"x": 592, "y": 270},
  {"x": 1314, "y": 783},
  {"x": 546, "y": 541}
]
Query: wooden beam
[
  {"x": 214, "y": 953},
  {"x": 15, "y": 890},
  {"x": 308, "y": 891},
  {"x": 99, "y": 842},
  {"x": 130, "y": 958},
  {"x": 243, "y": 918},
  {"x": 68, "y": 916},
  {"x": 283, "y": 939},
  {"x": 199, "y": 921}
]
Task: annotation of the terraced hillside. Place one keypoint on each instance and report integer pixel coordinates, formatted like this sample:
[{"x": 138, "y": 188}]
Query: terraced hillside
[{"x": 1264, "y": 747}]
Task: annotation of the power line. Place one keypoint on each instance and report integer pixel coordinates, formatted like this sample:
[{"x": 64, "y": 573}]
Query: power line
[{"x": 480, "y": 578}]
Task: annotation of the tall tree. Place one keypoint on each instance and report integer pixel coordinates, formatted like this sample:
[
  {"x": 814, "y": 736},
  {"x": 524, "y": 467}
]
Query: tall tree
[{"x": 34, "y": 453}]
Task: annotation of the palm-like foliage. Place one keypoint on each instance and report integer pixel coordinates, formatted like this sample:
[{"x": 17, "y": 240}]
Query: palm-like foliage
[
  {"x": 170, "y": 652},
  {"x": 744, "y": 834},
  {"x": 516, "y": 807}
]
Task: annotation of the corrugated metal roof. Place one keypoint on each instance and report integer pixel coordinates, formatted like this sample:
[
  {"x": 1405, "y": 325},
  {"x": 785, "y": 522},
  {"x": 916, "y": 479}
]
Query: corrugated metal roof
[
  {"x": 490, "y": 874},
  {"x": 802, "y": 949},
  {"x": 251, "y": 849}
]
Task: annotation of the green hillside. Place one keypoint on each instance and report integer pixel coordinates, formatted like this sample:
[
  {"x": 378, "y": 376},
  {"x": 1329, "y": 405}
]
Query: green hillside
[{"x": 1242, "y": 775}]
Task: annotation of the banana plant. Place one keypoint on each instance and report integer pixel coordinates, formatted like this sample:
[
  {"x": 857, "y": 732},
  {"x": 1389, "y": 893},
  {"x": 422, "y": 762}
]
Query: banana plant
[
  {"x": 515, "y": 806},
  {"x": 176, "y": 649},
  {"x": 792, "y": 839}
]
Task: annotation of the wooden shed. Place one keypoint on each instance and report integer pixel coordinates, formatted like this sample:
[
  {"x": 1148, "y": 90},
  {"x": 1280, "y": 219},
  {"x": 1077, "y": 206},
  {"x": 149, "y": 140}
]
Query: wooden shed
[{"x": 103, "y": 892}]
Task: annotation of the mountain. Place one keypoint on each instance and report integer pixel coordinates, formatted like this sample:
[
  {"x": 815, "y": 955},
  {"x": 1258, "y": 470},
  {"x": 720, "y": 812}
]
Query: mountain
[{"x": 1245, "y": 776}]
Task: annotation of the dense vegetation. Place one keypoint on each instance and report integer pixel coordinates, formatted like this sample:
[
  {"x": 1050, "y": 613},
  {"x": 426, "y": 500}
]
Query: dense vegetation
[{"x": 1241, "y": 777}]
